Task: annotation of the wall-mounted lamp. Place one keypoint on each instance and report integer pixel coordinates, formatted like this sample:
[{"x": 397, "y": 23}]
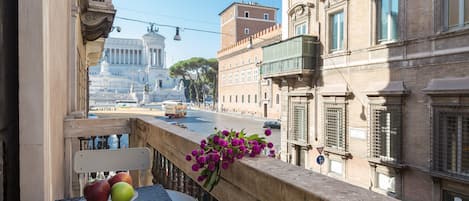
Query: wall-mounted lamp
[
  {"x": 177, "y": 37},
  {"x": 117, "y": 28}
]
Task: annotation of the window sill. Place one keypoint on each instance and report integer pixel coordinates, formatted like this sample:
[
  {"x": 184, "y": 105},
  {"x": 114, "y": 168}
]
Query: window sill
[
  {"x": 343, "y": 154},
  {"x": 448, "y": 176},
  {"x": 392, "y": 164},
  {"x": 336, "y": 53}
]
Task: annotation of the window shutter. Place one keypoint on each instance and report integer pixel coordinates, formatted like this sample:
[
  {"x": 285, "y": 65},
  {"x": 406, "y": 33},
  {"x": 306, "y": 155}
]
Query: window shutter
[
  {"x": 334, "y": 126},
  {"x": 299, "y": 123}
]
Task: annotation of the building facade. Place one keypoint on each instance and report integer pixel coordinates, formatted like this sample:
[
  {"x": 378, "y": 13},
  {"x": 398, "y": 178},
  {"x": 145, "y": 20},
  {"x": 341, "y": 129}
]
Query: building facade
[
  {"x": 133, "y": 69},
  {"x": 240, "y": 20},
  {"x": 380, "y": 87},
  {"x": 241, "y": 89},
  {"x": 57, "y": 42}
]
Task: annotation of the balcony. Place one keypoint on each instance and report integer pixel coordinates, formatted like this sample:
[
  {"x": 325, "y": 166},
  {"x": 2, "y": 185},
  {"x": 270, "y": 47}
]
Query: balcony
[
  {"x": 258, "y": 178},
  {"x": 291, "y": 57}
]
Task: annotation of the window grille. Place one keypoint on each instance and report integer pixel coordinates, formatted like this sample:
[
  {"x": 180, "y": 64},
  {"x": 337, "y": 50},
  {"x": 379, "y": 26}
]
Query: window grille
[
  {"x": 334, "y": 126},
  {"x": 385, "y": 132},
  {"x": 451, "y": 141},
  {"x": 299, "y": 123}
]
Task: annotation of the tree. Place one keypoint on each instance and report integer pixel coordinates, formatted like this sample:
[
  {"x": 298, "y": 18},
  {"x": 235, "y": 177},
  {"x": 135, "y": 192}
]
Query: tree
[{"x": 201, "y": 75}]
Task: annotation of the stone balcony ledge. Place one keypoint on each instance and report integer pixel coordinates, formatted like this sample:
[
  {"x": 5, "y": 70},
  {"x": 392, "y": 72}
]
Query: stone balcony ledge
[{"x": 258, "y": 178}]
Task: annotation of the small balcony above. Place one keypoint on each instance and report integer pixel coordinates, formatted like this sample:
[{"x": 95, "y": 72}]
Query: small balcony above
[{"x": 294, "y": 56}]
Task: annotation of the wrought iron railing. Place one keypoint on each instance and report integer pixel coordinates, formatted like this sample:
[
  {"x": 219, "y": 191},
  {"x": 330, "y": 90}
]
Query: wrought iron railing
[{"x": 171, "y": 177}]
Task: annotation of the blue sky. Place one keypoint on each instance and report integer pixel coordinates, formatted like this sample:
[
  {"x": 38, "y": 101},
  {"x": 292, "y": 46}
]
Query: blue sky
[{"x": 199, "y": 14}]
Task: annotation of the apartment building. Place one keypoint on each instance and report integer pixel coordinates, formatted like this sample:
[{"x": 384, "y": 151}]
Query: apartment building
[
  {"x": 382, "y": 87},
  {"x": 247, "y": 27}
]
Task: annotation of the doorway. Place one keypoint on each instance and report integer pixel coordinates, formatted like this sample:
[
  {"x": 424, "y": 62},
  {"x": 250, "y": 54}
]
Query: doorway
[
  {"x": 9, "y": 109},
  {"x": 265, "y": 110}
]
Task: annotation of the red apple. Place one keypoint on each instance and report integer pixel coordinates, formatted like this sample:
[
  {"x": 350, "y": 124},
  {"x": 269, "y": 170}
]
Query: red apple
[
  {"x": 97, "y": 191},
  {"x": 121, "y": 176}
]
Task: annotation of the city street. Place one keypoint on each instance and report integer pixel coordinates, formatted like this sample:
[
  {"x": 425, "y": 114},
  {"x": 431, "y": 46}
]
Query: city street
[{"x": 205, "y": 122}]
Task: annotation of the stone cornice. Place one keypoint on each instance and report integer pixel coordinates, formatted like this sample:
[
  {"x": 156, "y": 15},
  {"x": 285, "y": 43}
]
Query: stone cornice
[{"x": 96, "y": 19}]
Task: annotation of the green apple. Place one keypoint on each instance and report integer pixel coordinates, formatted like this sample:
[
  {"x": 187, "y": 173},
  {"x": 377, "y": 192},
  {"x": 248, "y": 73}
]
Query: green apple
[{"x": 122, "y": 191}]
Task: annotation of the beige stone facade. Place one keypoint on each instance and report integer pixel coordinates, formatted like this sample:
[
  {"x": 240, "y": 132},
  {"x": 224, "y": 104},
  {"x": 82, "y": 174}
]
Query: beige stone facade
[
  {"x": 241, "y": 89},
  {"x": 390, "y": 110},
  {"x": 240, "y": 20},
  {"x": 58, "y": 40}
]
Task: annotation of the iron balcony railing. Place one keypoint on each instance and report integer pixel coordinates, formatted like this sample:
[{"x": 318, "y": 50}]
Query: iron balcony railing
[{"x": 293, "y": 56}]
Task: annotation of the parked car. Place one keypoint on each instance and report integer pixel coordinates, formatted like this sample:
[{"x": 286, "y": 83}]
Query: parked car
[{"x": 271, "y": 124}]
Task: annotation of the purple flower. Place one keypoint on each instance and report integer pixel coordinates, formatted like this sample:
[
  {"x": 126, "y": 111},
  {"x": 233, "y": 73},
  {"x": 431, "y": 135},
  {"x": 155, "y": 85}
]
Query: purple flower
[
  {"x": 201, "y": 152},
  {"x": 203, "y": 141},
  {"x": 188, "y": 157},
  {"x": 256, "y": 149},
  {"x": 272, "y": 151},
  {"x": 201, "y": 160},
  {"x": 262, "y": 146},
  {"x": 222, "y": 143},
  {"x": 195, "y": 167},
  {"x": 225, "y": 132},
  {"x": 201, "y": 178},
  {"x": 242, "y": 140},
  {"x": 229, "y": 151},
  {"x": 267, "y": 132},
  {"x": 252, "y": 154},
  {"x": 242, "y": 148},
  {"x": 202, "y": 146},
  {"x": 211, "y": 167},
  {"x": 216, "y": 139},
  {"x": 195, "y": 152},
  {"x": 270, "y": 145},
  {"x": 216, "y": 157},
  {"x": 234, "y": 142},
  {"x": 225, "y": 165},
  {"x": 237, "y": 134},
  {"x": 254, "y": 142},
  {"x": 239, "y": 156}
]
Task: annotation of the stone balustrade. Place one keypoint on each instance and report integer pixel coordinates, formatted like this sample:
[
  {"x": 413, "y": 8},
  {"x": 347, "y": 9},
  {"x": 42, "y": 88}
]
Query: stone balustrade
[{"x": 257, "y": 178}]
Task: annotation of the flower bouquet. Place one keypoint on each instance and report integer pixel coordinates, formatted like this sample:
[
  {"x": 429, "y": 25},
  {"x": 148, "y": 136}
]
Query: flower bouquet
[{"x": 221, "y": 149}]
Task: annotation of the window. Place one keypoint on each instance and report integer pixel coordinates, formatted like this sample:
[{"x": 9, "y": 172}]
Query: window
[
  {"x": 337, "y": 31},
  {"x": 335, "y": 167},
  {"x": 386, "y": 183},
  {"x": 255, "y": 98},
  {"x": 242, "y": 98},
  {"x": 236, "y": 98},
  {"x": 334, "y": 126},
  {"x": 246, "y": 31},
  {"x": 385, "y": 132},
  {"x": 277, "y": 99},
  {"x": 301, "y": 29},
  {"x": 249, "y": 98},
  {"x": 246, "y": 13},
  {"x": 451, "y": 141},
  {"x": 387, "y": 19},
  {"x": 265, "y": 95},
  {"x": 266, "y": 16},
  {"x": 223, "y": 98},
  {"x": 230, "y": 99},
  {"x": 452, "y": 196},
  {"x": 160, "y": 83},
  {"x": 456, "y": 13},
  {"x": 299, "y": 123}
]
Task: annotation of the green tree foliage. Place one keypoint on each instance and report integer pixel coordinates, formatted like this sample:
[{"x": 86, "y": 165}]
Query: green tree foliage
[{"x": 199, "y": 76}]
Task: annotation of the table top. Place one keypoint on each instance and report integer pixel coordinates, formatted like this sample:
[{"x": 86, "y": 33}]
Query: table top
[{"x": 147, "y": 193}]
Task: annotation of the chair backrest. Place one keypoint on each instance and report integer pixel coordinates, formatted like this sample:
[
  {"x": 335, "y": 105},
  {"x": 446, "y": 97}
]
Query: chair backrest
[{"x": 86, "y": 161}]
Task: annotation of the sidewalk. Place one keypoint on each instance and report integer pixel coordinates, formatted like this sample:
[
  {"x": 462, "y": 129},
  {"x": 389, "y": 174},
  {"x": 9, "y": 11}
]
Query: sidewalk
[{"x": 235, "y": 114}]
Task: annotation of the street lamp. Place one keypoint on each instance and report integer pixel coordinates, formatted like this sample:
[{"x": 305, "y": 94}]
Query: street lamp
[{"x": 177, "y": 37}]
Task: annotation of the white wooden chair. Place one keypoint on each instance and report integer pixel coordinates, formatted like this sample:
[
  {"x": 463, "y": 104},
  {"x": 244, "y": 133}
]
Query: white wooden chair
[{"x": 87, "y": 161}]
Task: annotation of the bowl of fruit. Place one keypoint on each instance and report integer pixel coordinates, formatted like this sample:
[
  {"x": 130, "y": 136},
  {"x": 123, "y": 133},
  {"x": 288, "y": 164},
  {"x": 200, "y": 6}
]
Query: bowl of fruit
[{"x": 117, "y": 188}]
